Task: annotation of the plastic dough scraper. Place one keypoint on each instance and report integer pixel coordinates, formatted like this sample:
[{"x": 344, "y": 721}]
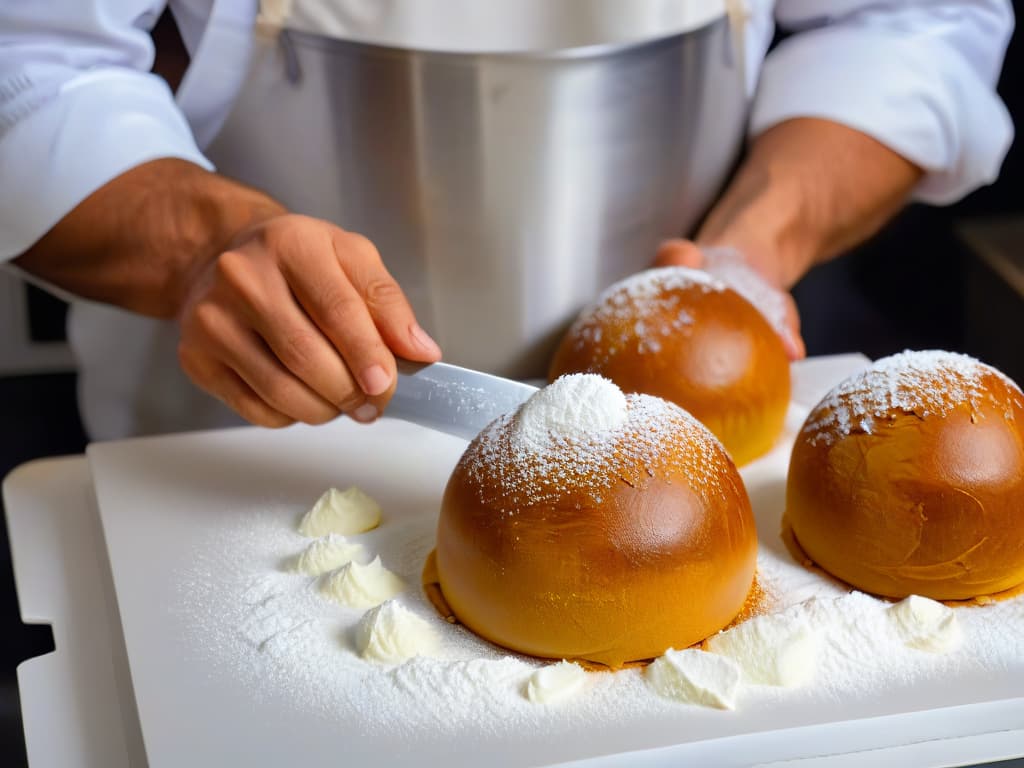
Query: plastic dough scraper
[{"x": 455, "y": 400}]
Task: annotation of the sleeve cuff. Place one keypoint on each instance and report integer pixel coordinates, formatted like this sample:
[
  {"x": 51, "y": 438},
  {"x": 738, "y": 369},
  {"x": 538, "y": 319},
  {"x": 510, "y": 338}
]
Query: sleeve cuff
[
  {"x": 919, "y": 98},
  {"x": 98, "y": 126}
]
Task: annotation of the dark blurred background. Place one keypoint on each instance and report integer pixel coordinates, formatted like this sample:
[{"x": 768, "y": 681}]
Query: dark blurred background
[{"x": 941, "y": 278}]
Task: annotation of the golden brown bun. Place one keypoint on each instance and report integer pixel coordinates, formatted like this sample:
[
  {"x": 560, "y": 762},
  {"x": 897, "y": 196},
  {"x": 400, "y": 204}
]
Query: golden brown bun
[
  {"x": 909, "y": 479},
  {"x": 675, "y": 333},
  {"x": 607, "y": 552}
]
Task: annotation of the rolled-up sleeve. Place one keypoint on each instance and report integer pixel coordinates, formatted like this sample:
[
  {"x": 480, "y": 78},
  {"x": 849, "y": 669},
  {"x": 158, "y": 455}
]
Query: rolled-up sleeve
[
  {"x": 917, "y": 76},
  {"x": 78, "y": 107}
]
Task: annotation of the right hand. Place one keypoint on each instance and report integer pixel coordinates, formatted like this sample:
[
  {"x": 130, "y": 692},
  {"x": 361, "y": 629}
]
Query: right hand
[
  {"x": 773, "y": 301},
  {"x": 299, "y": 321}
]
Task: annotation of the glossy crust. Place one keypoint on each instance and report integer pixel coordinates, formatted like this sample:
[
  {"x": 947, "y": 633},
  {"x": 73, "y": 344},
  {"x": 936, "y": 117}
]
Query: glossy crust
[
  {"x": 924, "y": 504},
  {"x": 726, "y": 366},
  {"x": 607, "y": 570}
]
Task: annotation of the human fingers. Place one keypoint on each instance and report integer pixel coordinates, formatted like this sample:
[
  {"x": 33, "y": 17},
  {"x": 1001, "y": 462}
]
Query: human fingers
[
  {"x": 326, "y": 294},
  {"x": 254, "y": 278},
  {"x": 678, "y": 252},
  {"x": 793, "y": 341},
  {"x": 226, "y": 385},
  {"x": 340, "y": 309},
  {"x": 385, "y": 300},
  {"x": 216, "y": 331}
]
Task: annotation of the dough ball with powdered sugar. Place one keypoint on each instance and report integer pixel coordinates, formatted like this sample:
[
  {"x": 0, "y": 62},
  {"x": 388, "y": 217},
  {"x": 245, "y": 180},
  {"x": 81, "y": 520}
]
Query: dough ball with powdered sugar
[
  {"x": 685, "y": 336},
  {"x": 595, "y": 526},
  {"x": 908, "y": 478}
]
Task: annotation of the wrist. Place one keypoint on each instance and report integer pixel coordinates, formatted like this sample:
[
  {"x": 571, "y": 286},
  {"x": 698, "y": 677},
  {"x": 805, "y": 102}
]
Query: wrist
[
  {"x": 139, "y": 241},
  {"x": 808, "y": 190},
  {"x": 764, "y": 216}
]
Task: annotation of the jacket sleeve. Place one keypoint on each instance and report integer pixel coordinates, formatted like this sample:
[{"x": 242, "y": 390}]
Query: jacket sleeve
[
  {"x": 78, "y": 107},
  {"x": 917, "y": 76}
]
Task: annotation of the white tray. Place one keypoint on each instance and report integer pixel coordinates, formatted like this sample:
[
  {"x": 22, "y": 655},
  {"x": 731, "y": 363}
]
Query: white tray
[{"x": 158, "y": 489}]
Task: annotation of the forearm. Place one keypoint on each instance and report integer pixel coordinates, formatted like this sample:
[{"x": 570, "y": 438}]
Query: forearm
[
  {"x": 808, "y": 190},
  {"x": 138, "y": 241}
]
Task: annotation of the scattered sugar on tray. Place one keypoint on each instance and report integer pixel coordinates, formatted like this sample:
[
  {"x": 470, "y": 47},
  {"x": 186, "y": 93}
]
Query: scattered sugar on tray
[
  {"x": 309, "y": 664},
  {"x": 574, "y": 435},
  {"x": 926, "y": 383}
]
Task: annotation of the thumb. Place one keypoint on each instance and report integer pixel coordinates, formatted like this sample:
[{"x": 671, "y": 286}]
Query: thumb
[{"x": 679, "y": 253}]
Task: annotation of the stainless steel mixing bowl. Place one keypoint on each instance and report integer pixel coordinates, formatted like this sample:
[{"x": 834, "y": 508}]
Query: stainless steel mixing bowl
[{"x": 503, "y": 190}]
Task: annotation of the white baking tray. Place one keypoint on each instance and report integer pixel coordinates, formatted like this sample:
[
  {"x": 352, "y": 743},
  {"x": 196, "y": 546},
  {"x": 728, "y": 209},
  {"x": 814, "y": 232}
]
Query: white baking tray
[{"x": 156, "y": 495}]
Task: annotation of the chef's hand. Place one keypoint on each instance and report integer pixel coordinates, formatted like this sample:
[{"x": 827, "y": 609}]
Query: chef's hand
[
  {"x": 807, "y": 190},
  {"x": 730, "y": 266},
  {"x": 299, "y": 320}
]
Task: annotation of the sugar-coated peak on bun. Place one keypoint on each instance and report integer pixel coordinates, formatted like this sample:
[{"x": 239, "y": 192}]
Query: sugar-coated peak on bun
[
  {"x": 595, "y": 526},
  {"x": 685, "y": 336},
  {"x": 575, "y": 407},
  {"x": 908, "y": 478}
]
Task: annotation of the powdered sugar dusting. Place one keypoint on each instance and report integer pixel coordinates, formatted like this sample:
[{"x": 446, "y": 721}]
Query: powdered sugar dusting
[
  {"x": 924, "y": 383},
  {"x": 729, "y": 266},
  {"x": 253, "y": 627},
  {"x": 577, "y": 407},
  {"x": 511, "y": 472},
  {"x": 641, "y": 309},
  {"x": 271, "y": 631}
]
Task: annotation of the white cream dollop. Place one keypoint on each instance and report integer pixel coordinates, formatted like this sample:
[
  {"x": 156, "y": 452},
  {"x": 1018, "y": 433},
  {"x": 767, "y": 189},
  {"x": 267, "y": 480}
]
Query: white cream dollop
[
  {"x": 344, "y": 512},
  {"x": 556, "y": 682},
  {"x": 327, "y": 553},
  {"x": 362, "y": 586},
  {"x": 578, "y": 406},
  {"x": 391, "y": 633},
  {"x": 770, "y": 650},
  {"x": 926, "y": 625},
  {"x": 693, "y": 676}
]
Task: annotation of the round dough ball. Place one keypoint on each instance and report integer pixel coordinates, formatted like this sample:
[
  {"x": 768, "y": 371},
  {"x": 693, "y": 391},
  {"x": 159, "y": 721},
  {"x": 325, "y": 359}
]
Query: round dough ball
[
  {"x": 681, "y": 335},
  {"x": 594, "y": 526},
  {"x": 908, "y": 478}
]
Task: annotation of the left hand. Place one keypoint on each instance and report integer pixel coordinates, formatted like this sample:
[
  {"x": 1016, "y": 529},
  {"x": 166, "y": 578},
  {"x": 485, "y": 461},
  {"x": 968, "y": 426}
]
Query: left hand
[{"x": 730, "y": 266}]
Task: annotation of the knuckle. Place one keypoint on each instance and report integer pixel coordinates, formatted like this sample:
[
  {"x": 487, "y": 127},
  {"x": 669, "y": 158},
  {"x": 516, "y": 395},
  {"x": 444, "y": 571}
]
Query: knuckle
[
  {"x": 278, "y": 392},
  {"x": 238, "y": 273},
  {"x": 247, "y": 407},
  {"x": 383, "y": 292},
  {"x": 231, "y": 267},
  {"x": 359, "y": 245},
  {"x": 321, "y": 416},
  {"x": 299, "y": 351},
  {"x": 282, "y": 231},
  {"x": 206, "y": 318},
  {"x": 188, "y": 360},
  {"x": 350, "y": 400},
  {"x": 338, "y": 309},
  {"x": 264, "y": 417}
]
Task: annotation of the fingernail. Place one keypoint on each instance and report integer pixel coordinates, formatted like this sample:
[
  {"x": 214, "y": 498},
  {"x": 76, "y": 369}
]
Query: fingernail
[
  {"x": 365, "y": 413},
  {"x": 424, "y": 341},
  {"x": 375, "y": 380}
]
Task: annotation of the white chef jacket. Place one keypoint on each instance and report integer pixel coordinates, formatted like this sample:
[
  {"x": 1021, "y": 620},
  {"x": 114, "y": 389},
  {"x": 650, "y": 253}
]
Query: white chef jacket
[{"x": 78, "y": 107}]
